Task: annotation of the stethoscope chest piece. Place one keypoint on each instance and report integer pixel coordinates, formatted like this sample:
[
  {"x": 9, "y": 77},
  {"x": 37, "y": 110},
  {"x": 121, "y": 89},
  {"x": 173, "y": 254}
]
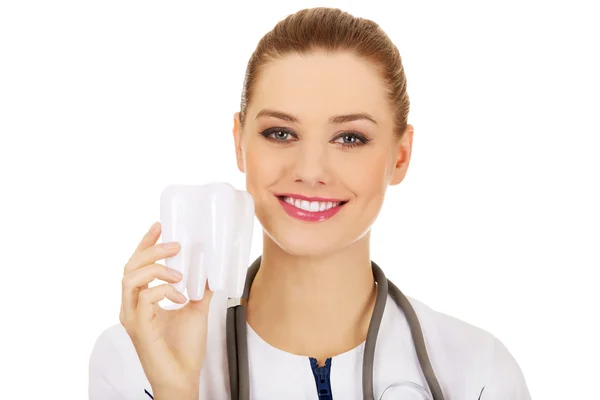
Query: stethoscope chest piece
[{"x": 405, "y": 391}]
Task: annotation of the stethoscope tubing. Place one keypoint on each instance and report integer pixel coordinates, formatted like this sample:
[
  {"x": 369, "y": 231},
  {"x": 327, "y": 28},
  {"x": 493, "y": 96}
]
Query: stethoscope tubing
[{"x": 237, "y": 345}]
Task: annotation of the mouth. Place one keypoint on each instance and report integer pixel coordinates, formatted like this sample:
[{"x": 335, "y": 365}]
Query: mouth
[
  {"x": 310, "y": 209},
  {"x": 312, "y": 205}
]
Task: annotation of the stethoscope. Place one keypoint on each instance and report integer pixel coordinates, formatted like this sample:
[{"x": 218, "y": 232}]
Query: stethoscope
[{"x": 237, "y": 345}]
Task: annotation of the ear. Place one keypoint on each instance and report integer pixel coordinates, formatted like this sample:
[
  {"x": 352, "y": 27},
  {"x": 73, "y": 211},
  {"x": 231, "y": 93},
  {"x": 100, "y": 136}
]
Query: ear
[
  {"x": 237, "y": 137},
  {"x": 402, "y": 157}
]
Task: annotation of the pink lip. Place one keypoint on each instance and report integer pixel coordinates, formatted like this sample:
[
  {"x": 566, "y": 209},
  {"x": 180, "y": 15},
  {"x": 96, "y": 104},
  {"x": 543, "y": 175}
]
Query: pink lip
[{"x": 303, "y": 215}]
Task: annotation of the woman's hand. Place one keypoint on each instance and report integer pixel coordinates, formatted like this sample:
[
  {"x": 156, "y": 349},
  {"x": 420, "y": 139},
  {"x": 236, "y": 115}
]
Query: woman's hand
[{"x": 171, "y": 344}]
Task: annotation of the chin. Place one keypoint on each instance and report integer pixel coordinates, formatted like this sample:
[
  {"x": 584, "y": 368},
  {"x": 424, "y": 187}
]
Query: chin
[
  {"x": 310, "y": 239},
  {"x": 297, "y": 247}
]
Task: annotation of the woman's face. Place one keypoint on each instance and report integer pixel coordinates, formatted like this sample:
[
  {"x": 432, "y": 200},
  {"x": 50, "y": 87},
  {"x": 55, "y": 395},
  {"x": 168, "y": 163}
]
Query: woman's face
[{"x": 319, "y": 130}]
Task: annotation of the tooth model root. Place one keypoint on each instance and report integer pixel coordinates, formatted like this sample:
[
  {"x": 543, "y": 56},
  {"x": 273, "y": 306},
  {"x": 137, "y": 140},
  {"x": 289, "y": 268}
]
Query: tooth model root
[{"x": 214, "y": 225}]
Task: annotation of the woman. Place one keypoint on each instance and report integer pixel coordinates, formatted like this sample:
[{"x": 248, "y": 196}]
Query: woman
[{"x": 323, "y": 115}]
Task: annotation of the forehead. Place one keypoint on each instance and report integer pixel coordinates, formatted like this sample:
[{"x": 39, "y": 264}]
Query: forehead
[{"x": 317, "y": 85}]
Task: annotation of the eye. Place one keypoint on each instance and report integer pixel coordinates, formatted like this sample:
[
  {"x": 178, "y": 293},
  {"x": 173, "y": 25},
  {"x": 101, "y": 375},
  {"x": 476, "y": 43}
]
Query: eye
[
  {"x": 278, "y": 134},
  {"x": 283, "y": 135},
  {"x": 351, "y": 139}
]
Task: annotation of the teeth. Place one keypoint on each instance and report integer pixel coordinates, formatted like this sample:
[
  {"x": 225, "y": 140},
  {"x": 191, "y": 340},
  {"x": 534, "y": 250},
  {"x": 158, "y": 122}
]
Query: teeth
[
  {"x": 311, "y": 206},
  {"x": 213, "y": 224}
]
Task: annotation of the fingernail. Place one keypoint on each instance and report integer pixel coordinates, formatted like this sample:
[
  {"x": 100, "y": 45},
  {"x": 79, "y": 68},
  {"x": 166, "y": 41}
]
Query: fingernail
[
  {"x": 154, "y": 227},
  {"x": 181, "y": 297},
  {"x": 170, "y": 245},
  {"x": 175, "y": 273}
]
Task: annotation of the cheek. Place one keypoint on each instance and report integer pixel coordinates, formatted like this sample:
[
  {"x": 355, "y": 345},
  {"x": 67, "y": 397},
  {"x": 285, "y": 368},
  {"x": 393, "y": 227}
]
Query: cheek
[
  {"x": 365, "y": 174},
  {"x": 263, "y": 166}
]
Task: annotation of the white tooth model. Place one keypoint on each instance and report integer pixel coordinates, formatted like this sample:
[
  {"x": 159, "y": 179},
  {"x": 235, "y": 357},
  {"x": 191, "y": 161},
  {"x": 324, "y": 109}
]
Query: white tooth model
[{"x": 213, "y": 223}]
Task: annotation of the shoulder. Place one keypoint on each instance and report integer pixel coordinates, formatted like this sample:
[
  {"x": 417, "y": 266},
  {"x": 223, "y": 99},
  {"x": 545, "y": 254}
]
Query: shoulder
[
  {"x": 484, "y": 361},
  {"x": 453, "y": 332},
  {"x": 115, "y": 370}
]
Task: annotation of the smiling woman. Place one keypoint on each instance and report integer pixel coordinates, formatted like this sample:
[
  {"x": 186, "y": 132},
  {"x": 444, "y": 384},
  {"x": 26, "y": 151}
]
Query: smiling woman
[
  {"x": 331, "y": 133},
  {"x": 321, "y": 134}
]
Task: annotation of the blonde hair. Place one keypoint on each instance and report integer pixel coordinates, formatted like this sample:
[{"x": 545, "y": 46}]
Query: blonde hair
[{"x": 332, "y": 29}]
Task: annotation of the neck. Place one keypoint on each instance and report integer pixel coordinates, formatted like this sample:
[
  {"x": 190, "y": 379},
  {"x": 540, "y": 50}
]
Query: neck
[{"x": 316, "y": 306}]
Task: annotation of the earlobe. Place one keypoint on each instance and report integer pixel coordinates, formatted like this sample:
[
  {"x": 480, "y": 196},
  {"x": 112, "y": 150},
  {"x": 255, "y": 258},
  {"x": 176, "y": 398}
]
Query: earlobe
[
  {"x": 239, "y": 156},
  {"x": 404, "y": 151}
]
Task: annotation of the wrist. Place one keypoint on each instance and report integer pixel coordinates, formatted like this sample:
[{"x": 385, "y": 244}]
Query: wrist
[{"x": 187, "y": 393}]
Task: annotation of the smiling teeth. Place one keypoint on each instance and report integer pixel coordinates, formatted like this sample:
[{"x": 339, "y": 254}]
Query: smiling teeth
[{"x": 311, "y": 206}]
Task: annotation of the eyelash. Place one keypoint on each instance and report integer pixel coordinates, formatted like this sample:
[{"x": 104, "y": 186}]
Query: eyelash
[{"x": 362, "y": 140}]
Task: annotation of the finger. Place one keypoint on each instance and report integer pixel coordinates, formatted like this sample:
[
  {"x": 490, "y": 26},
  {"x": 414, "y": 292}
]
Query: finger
[
  {"x": 139, "y": 279},
  {"x": 149, "y": 238},
  {"x": 151, "y": 255},
  {"x": 148, "y": 299}
]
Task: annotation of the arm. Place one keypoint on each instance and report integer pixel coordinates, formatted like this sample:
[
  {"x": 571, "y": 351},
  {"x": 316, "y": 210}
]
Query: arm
[
  {"x": 506, "y": 380},
  {"x": 111, "y": 377},
  {"x": 187, "y": 395},
  {"x": 104, "y": 372}
]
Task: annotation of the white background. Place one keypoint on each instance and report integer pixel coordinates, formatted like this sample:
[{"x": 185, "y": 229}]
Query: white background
[{"x": 103, "y": 104}]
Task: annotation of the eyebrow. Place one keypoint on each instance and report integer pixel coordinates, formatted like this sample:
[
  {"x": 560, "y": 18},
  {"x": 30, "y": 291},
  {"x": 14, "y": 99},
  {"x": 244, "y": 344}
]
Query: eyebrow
[{"x": 336, "y": 119}]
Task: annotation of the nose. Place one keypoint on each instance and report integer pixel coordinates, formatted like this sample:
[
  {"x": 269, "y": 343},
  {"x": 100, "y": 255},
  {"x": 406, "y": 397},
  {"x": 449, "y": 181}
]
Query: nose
[{"x": 311, "y": 164}]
